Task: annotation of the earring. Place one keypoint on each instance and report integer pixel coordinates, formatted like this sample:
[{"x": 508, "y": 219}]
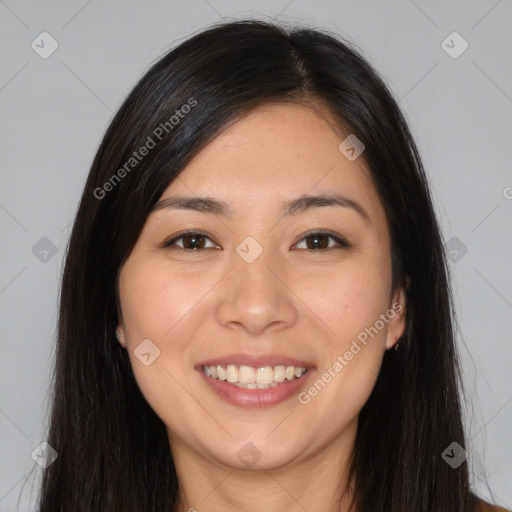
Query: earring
[{"x": 396, "y": 345}]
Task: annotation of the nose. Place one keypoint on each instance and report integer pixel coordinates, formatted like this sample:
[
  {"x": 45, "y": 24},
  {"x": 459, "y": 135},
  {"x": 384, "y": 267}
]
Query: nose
[{"x": 255, "y": 297}]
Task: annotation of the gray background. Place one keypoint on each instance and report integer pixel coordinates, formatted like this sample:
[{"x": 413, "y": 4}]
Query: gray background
[{"x": 54, "y": 112}]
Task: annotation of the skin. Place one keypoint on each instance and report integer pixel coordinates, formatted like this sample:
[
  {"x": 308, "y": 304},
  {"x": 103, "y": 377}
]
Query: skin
[{"x": 307, "y": 304}]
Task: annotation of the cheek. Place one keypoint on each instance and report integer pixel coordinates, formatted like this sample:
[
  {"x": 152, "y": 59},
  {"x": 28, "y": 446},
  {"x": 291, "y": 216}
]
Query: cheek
[
  {"x": 348, "y": 300},
  {"x": 351, "y": 303},
  {"x": 154, "y": 299},
  {"x": 167, "y": 306},
  {"x": 160, "y": 307}
]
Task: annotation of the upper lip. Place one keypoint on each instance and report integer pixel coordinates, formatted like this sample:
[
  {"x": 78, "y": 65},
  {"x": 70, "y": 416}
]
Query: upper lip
[{"x": 256, "y": 361}]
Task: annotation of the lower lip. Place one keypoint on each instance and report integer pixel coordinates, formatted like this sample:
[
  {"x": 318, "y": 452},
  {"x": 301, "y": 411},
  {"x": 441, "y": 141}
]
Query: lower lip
[{"x": 256, "y": 397}]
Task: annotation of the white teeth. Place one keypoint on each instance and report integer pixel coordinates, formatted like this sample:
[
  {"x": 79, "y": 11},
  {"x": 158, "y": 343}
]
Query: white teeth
[
  {"x": 265, "y": 375},
  {"x": 279, "y": 373},
  {"x": 247, "y": 375},
  {"x": 254, "y": 378},
  {"x": 255, "y": 386},
  {"x": 231, "y": 373},
  {"x": 246, "y": 386},
  {"x": 221, "y": 373}
]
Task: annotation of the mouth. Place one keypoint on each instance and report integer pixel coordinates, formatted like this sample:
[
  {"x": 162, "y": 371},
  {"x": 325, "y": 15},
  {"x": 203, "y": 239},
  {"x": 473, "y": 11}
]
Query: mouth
[
  {"x": 250, "y": 377},
  {"x": 253, "y": 381}
]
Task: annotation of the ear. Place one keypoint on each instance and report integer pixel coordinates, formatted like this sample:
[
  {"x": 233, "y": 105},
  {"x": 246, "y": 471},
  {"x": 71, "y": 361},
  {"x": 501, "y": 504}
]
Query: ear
[
  {"x": 120, "y": 335},
  {"x": 396, "y": 325}
]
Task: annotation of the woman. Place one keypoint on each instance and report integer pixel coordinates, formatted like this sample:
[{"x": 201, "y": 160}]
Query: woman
[{"x": 258, "y": 234}]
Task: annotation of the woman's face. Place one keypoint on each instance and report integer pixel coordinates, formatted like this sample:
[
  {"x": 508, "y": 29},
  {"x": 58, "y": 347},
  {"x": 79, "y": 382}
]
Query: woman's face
[{"x": 272, "y": 285}]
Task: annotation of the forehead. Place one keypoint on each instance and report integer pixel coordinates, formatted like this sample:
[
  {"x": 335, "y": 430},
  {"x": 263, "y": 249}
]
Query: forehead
[{"x": 275, "y": 153}]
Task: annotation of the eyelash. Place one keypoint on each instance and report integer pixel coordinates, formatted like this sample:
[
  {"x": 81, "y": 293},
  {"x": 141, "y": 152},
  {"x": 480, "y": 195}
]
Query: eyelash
[{"x": 169, "y": 244}]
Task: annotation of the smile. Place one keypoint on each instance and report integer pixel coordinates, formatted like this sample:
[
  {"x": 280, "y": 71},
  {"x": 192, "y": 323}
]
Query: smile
[{"x": 249, "y": 377}]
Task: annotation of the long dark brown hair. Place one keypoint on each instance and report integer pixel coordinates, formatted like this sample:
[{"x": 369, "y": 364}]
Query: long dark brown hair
[{"x": 113, "y": 450}]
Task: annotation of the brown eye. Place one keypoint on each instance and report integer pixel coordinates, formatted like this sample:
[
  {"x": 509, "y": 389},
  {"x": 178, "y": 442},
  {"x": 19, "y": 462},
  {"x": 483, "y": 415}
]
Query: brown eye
[
  {"x": 196, "y": 240},
  {"x": 191, "y": 240},
  {"x": 319, "y": 240}
]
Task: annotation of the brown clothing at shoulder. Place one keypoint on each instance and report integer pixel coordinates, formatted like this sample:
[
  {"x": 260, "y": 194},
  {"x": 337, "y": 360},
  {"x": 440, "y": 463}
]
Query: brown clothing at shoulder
[{"x": 483, "y": 506}]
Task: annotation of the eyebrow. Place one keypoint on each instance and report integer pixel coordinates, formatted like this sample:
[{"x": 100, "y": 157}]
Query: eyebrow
[{"x": 293, "y": 207}]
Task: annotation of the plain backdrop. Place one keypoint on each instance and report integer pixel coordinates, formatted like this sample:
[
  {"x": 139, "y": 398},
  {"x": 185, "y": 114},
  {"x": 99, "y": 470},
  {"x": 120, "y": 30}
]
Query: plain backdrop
[{"x": 54, "y": 112}]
